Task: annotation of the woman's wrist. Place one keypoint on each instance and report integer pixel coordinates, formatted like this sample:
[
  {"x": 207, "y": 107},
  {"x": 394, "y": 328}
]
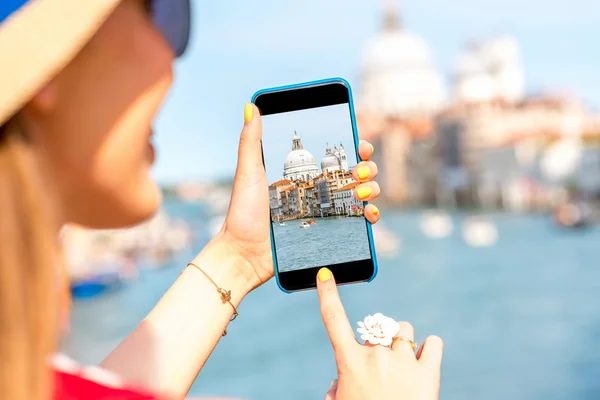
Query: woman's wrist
[{"x": 225, "y": 267}]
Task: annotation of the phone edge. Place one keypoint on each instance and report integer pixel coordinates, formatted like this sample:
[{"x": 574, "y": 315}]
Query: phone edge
[{"x": 356, "y": 144}]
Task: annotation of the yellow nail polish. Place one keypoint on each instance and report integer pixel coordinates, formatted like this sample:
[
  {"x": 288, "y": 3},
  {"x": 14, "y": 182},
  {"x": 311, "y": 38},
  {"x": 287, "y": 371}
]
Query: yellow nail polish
[
  {"x": 248, "y": 112},
  {"x": 363, "y": 192},
  {"x": 363, "y": 172},
  {"x": 375, "y": 210},
  {"x": 372, "y": 148},
  {"x": 324, "y": 274}
]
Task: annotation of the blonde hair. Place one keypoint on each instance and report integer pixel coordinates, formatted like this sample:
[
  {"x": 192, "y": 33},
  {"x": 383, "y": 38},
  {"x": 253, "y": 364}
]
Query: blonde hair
[{"x": 28, "y": 272}]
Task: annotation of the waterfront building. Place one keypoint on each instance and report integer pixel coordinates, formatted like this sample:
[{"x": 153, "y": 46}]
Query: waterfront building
[
  {"x": 326, "y": 184},
  {"x": 285, "y": 200},
  {"x": 508, "y": 152},
  {"x": 275, "y": 203},
  {"x": 299, "y": 163},
  {"x": 310, "y": 196},
  {"x": 400, "y": 92},
  {"x": 345, "y": 202},
  {"x": 298, "y": 202}
]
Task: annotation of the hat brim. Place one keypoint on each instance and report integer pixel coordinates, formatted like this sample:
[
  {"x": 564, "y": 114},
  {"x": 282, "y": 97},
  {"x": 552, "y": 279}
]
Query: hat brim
[{"x": 38, "y": 40}]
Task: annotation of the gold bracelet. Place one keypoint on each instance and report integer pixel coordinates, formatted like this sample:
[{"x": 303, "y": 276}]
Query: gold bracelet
[{"x": 225, "y": 294}]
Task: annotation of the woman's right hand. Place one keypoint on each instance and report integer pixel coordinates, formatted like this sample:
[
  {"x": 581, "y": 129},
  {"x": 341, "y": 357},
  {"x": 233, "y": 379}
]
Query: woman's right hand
[{"x": 372, "y": 371}]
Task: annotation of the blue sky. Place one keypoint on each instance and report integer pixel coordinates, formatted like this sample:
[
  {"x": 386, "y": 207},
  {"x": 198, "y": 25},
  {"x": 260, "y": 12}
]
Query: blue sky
[
  {"x": 316, "y": 128},
  {"x": 241, "y": 47}
]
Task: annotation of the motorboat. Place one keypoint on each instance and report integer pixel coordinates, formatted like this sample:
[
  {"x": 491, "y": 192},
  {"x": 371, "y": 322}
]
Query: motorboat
[{"x": 304, "y": 224}]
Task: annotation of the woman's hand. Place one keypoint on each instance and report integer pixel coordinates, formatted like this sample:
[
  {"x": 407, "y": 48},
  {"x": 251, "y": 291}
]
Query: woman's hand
[
  {"x": 246, "y": 229},
  {"x": 372, "y": 371}
]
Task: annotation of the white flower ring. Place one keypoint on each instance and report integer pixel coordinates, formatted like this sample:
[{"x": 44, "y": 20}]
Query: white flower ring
[{"x": 378, "y": 329}]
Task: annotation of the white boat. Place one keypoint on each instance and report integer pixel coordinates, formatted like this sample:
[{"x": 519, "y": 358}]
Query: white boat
[
  {"x": 282, "y": 224},
  {"x": 480, "y": 232},
  {"x": 304, "y": 225},
  {"x": 436, "y": 224}
]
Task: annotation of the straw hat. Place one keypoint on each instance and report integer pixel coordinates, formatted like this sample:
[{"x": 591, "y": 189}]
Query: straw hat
[{"x": 37, "y": 39}]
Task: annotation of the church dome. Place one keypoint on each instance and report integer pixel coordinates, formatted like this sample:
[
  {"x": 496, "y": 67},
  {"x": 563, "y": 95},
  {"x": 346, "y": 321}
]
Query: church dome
[
  {"x": 299, "y": 158},
  {"x": 491, "y": 70},
  {"x": 474, "y": 84},
  {"x": 299, "y": 163},
  {"x": 396, "y": 50},
  {"x": 399, "y": 76},
  {"x": 330, "y": 161}
]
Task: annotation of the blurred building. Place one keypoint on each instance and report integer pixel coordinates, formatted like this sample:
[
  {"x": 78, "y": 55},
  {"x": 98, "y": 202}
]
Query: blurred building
[
  {"x": 400, "y": 92},
  {"x": 487, "y": 145}
]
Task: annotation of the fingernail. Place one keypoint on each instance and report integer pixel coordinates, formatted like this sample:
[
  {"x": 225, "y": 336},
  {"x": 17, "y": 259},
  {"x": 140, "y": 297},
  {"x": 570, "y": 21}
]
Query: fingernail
[
  {"x": 363, "y": 172},
  {"x": 372, "y": 148},
  {"x": 375, "y": 210},
  {"x": 332, "y": 383},
  {"x": 248, "y": 112},
  {"x": 324, "y": 274},
  {"x": 363, "y": 192}
]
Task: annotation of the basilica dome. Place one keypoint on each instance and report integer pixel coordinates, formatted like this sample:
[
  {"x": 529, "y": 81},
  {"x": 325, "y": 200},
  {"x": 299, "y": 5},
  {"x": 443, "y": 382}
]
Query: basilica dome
[
  {"x": 299, "y": 158},
  {"x": 473, "y": 82},
  {"x": 330, "y": 162},
  {"x": 399, "y": 76},
  {"x": 490, "y": 70},
  {"x": 299, "y": 163}
]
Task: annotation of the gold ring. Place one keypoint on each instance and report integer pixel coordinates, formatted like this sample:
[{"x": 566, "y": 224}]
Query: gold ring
[{"x": 412, "y": 344}]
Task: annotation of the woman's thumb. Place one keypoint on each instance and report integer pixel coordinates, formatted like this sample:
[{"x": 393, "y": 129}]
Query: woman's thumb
[{"x": 250, "y": 162}]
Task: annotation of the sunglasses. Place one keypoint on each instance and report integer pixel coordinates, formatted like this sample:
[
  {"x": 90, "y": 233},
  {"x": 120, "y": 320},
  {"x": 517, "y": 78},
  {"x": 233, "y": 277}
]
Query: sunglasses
[{"x": 173, "y": 19}]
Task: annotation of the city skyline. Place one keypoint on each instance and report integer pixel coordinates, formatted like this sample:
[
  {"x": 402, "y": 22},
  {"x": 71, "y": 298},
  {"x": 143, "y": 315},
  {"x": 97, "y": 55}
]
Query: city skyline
[
  {"x": 198, "y": 128},
  {"x": 334, "y": 127}
]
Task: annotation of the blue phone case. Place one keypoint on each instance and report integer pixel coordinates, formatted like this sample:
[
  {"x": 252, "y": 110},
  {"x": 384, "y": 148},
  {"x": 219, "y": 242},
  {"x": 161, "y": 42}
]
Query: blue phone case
[{"x": 356, "y": 141}]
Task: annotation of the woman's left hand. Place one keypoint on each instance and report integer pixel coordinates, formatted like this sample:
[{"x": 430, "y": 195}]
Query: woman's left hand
[{"x": 246, "y": 228}]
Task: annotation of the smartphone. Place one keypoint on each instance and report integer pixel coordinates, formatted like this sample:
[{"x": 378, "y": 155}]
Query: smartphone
[{"x": 310, "y": 146}]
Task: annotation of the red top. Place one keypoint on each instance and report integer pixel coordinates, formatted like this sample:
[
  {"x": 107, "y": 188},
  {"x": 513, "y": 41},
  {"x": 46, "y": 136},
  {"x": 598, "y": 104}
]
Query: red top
[{"x": 73, "y": 382}]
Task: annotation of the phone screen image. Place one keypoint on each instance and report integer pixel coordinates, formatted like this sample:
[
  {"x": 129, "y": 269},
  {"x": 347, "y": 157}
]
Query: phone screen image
[{"x": 316, "y": 219}]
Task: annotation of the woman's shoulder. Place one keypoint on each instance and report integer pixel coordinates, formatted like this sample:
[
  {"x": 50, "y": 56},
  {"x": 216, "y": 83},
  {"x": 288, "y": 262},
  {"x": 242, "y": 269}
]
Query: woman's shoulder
[{"x": 73, "y": 382}]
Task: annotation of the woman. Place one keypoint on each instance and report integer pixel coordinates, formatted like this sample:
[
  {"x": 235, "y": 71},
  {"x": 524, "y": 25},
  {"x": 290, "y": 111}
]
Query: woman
[{"x": 80, "y": 85}]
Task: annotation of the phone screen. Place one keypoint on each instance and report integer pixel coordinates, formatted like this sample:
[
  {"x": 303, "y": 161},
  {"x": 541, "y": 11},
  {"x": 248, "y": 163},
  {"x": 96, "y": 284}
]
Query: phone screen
[{"x": 316, "y": 220}]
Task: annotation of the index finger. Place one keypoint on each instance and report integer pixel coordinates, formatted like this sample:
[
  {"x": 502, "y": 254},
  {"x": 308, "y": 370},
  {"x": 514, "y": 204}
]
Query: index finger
[
  {"x": 335, "y": 319},
  {"x": 365, "y": 150}
]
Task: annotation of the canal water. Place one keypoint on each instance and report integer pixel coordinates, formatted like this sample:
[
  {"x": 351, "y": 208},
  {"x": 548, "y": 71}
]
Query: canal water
[
  {"x": 332, "y": 240},
  {"x": 520, "y": 320}
]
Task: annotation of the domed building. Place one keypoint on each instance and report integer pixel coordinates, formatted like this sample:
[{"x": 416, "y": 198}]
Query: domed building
[
  {"x": 336, "y": 160},
  {"x": 341, "y": 154},
  {"x": 401, "y": 92},
  {"x": 299, "y": 164},
  {"x": 474, "y": 84},
  {"x": 491, "y": 71},
  {"x": 330, "y": 161},
  {"x": 399, "y": 77}
]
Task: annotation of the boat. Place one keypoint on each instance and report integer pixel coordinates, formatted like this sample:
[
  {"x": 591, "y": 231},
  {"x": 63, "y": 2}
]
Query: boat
[
  {"x": 282, "y": 224},
  {"x": 304, "y": 225},
  {"x": 94, "y": 285},
  {"x": 311, "y": 222},
  {"x": 570, "y": 215},
  {"x": 480, "y": 231},
  {"x": 436, "y": 224}
]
